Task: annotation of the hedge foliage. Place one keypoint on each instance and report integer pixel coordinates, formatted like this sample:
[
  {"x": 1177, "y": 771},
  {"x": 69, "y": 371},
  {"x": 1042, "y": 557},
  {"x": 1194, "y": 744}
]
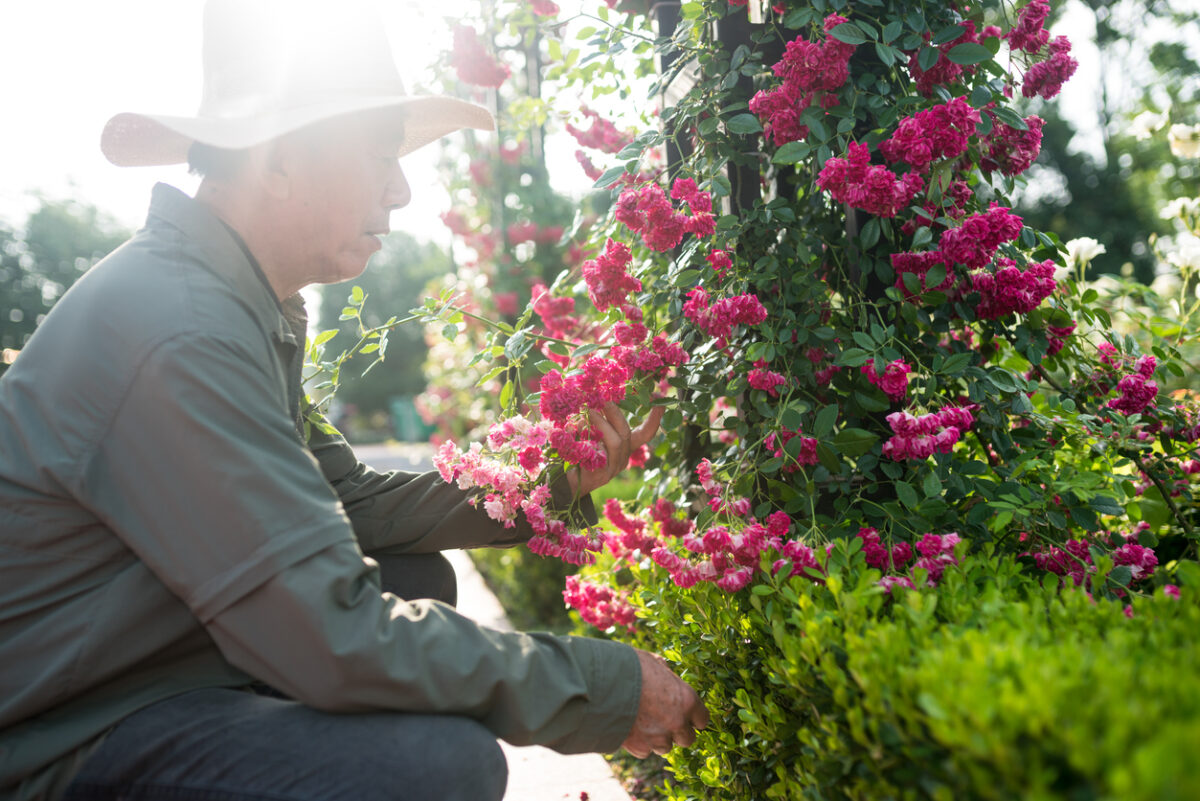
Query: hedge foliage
[{"x": 994, "y": 685}]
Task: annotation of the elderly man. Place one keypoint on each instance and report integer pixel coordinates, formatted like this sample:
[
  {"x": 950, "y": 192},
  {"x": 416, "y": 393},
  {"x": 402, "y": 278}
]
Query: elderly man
[{"x": 185, "y": 606}]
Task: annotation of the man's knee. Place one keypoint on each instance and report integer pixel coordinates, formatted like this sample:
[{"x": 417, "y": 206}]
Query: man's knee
[
  {"x": 455, "y": 759},
  {"x": 420, "y": 575}
]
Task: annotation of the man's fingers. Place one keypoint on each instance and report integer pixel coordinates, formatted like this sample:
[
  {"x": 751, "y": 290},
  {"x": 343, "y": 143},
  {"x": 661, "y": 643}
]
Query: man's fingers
[
  {"x": 700, "y": 718},
  {"x": 649, "y": 427},
  {"x": 613, "y": 413}
]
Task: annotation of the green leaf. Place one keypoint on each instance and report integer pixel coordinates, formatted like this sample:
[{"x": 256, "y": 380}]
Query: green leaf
[
  {"x": 892, "y": 30},
  {"x": 870, "y": 233},
  {"x": 948, "y": 34},
  {"x": 450, "y": 331},
  {"x": 506, "y": 394},
  {"x": 825, "y": 420},
  {"x": 887, "y": 54},
  {"x": 969, "y": 53},
  {"x": 325, "y": 336},
  {"x": 935, "y": 276},
  {"x": 791, "y": 153},
  {"x": 1010, "y": 118},
  {"x": 980, "y": 96},
  {"x": 849, "y": 33},
  {"x": 852, "y": 357},
  {"x": 743, "y": 124},
  {"x": 609, "y": 177},
  {"x": 545, "y": 366},
  {"x": 357, "y": 296},
  {"x": 932, "y": 486},
  {"x": 955, "y": 363},
  {"x": 854, "y": 441},
  {"x": 1122, "y": 575},
  {"x": 1105, "y": 505},
  {"x": 927, "y": 58},
  {"x": 906, "y": 494},
  {"x": 708, "y": 125}
]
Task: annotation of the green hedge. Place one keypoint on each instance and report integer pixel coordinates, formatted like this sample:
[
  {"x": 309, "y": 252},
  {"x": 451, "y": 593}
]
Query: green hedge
[{"x": 994, "y": 685}]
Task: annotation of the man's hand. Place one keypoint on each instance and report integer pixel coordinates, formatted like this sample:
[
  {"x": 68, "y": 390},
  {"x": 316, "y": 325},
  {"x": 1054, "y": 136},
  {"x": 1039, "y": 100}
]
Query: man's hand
[
  {"x": 619, "y": 443},
  {"x": 669, "y": 711}
]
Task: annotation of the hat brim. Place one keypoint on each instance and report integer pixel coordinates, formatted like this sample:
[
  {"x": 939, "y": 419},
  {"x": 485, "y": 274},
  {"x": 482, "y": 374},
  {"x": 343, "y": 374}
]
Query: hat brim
[{"x": 145, "y": 140}]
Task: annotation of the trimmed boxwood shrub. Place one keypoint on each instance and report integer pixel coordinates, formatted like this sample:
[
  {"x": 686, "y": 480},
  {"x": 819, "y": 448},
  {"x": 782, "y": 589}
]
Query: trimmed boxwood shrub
[{"x": 993, "y": 685}]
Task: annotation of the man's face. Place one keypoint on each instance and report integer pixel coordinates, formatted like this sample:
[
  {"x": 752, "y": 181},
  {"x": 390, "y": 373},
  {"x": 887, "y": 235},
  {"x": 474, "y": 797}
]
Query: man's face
[{"x": 345, "y": 183}]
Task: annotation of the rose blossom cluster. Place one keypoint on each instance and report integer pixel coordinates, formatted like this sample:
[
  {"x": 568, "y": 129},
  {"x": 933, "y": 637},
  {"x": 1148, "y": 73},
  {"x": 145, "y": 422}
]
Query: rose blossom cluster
[
  {"x": 718, "y": 318},
  {"x": 638, "y": 352},
  {"x": 936, "y": 554},
  {"x": 1011, "y": 290},
  {"x": 730, "y": 556},
  {"x": 1011, "y": 150},
  {"x": 600, "y": 381},
  {"x": 853, "y": 180},
  {"x": 471, "y": 61},
  {"x": 823, "y": 372},
  {"x": 634, "y": 537},
  {"x": 940, "y": 132},
  {"x": 1074, "y": 560},
  {"x": 601, "y": 135},
  {"x": 1137, "y": 389},
  {"x": 544, "y": 8},
  {"x": 1046, "y": 77},
  {"x": 945, "y": 71},
  {"x": 920, "y": 437},
  {"x": 762, "y": 378},
  {"x": 975, "y": 241},
  {"x": 506, "y": 482},
  {"x": 597, "y": 604},
  {"x": 647, "y": 211},
  {"x": 810, "y": 72},
  {"x": 893, "y": 381},
  {"x": 555, "y": 312},
  {"x": 609, "y": 284},
  {"x": 608, "y": 280},
  {"x": 919, "y": 264},
  {"x": 807, "y": 455}
]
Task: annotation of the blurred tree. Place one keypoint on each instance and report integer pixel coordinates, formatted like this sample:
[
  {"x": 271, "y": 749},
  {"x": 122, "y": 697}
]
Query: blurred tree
[
  {"x": 394, "y": 282},
  {"x": 1109, "y": 180},
  {"x": 61, "y": 240}
]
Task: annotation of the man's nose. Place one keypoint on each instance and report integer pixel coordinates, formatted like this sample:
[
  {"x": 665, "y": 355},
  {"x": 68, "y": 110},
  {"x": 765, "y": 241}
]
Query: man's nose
[{"x": 397, "y": 194}]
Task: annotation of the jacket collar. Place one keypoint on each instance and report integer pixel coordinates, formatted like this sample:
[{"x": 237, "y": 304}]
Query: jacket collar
[{"x": 227, "y": 257}]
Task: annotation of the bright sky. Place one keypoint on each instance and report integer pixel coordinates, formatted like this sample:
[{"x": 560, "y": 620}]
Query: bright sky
[{"x": 66, "y": 66}]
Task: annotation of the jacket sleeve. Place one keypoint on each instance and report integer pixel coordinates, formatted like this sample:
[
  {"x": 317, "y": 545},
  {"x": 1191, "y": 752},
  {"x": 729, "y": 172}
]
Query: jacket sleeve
[
  {"x": 419, "y": 512},
  {"x": 202, "y": 475},
  {"x": 347, "y": 647}
]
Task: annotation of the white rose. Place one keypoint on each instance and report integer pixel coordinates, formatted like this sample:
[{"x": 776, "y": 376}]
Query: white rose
[
  {"x": 1083, "y": 250},
  {"x": 1185, "y": 253},
  {"x": 1181, "y": 207},
  {"x": 1147, "y": 123},
  {"x": 1184, "y": 140}
]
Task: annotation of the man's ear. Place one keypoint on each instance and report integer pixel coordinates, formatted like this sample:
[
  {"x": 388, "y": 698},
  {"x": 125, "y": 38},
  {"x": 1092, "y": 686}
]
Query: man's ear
[{"x": 278, "y": 160}]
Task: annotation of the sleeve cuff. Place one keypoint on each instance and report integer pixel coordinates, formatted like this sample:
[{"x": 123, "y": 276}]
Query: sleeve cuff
[{"x": 614, "y": 682}]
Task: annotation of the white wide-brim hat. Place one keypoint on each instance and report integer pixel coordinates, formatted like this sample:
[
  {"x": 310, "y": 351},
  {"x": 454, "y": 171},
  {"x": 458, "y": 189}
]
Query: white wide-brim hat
[{"x": 276, "y": 66}]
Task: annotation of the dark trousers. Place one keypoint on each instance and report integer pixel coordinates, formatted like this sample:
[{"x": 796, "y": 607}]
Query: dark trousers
[{"x": 235, "y": 745}]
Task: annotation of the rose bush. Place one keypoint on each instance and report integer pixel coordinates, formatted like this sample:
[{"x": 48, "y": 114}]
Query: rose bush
[{"x": 913, "y": 481}]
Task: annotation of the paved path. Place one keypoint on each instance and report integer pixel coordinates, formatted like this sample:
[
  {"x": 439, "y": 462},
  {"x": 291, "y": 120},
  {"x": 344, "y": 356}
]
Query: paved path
[{"x": 535, "y": 773}]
